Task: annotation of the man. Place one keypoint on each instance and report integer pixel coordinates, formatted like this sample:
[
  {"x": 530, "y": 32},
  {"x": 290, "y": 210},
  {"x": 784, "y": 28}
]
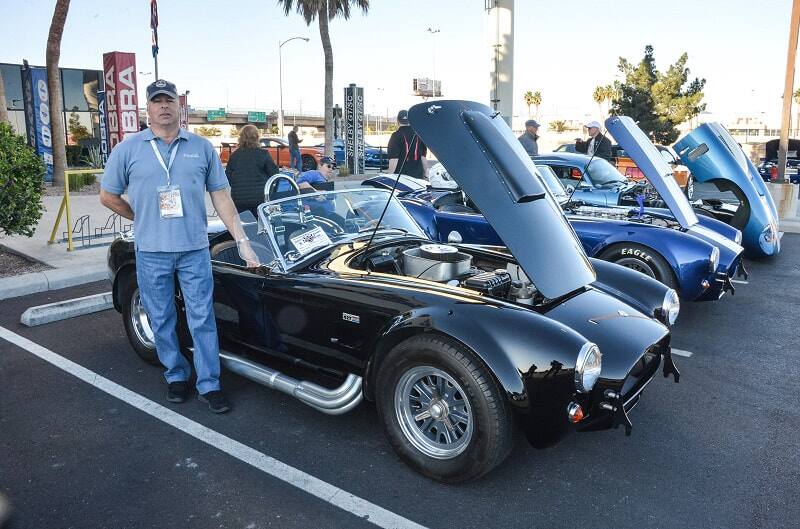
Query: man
[
  {"x": 530, "y": 137},
  {"x": 406, "y": 151},
  {"x": 166, "y": 171},
  {"x": 295, "y": 159},
  {"x": 596, "y": 145},
  {"x": 324, "y": 174}
]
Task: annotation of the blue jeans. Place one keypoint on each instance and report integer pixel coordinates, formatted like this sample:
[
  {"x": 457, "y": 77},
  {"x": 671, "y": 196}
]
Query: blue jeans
[
  {"x": 295, "y": 160},
  {"x": 155, "y": 273}
]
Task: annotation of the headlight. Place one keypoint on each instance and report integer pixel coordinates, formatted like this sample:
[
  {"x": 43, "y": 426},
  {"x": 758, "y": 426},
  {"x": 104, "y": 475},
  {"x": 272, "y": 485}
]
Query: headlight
[
  {"x": 587, "y": 368},
  {"x": 670, "y": 307},
  {"x": 713, "y": 260}
]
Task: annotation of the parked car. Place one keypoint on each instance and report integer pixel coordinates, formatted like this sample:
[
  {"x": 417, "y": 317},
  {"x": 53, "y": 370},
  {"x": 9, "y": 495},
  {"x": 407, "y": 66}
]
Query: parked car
[
  {"x": 627, "y": 167},
  {"x": 374, "y": 157},
  {"x": 457, "y": 345},
  {"x": 714, "y": 156},
  {"x": 278, "y": 148},
  {"x": 697, "y": 268},
  {"x": 768, "y": 167}
]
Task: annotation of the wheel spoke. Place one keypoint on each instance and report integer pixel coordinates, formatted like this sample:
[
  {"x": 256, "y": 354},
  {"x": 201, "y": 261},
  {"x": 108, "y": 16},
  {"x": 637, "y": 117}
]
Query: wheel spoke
[
  {"x": 459, "y": 416},
  {"x": 425, "y": 392},
  {"x": 421, "y": 416},
  {"x": 447, "y": 431}
]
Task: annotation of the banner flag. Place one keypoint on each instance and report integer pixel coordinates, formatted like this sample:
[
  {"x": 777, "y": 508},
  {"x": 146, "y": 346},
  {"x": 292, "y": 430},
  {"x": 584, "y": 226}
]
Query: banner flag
[{"x": 154, "y": 25}]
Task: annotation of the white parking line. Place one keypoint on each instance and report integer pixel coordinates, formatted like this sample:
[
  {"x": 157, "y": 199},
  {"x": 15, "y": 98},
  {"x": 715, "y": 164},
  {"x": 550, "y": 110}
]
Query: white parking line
[
  {"x": 325, "y": 491},
  {"x": 681, "y": 352}
]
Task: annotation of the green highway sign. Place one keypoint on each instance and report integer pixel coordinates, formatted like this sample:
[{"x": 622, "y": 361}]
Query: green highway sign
[
  {"x": 256, "y": 117},
  {"x": 216, "y": 115}
]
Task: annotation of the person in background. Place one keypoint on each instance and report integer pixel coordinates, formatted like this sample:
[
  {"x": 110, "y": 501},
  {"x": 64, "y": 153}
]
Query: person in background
[
  {"x": 166, "y": 172},
  {"x": 597, "y": 145},
  {"x": 530, "y": 137},
  {"x": 248, "y": 169},
  {"x": 295, "y": 159},
  {"x": 407, "y": 153},
  {"x": 324, "y": 174}
]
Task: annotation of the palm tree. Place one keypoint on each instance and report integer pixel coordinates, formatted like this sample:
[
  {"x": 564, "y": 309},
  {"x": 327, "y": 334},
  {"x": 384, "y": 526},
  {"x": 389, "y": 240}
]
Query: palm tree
[
  {"x": 611, "y": 94},
  {"x": 52, "y": 56},
  {"x": 796, "y": 97},
  {"x": 3, "y": 105},
  {"x": 528, "y": 97},
  {"x": 599, "y": 96},
  {"x": 324, "y": 10},
  {"x": 537, "y": 100}
]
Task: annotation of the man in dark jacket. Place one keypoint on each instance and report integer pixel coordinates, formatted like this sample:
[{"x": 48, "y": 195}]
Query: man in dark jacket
[
  {"x": 530, "y": 137},
  {"x": 248, "y": 169},
  {"x": 407, "y": 153},
  {"x": 596, "y": 145}
]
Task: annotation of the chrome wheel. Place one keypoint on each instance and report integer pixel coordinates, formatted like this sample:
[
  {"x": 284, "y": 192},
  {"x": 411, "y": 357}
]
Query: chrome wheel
[
  {"x": 638, "y": 265},
  {"x": 433, "y": 412},
  {"x": 140, "y": 322}
]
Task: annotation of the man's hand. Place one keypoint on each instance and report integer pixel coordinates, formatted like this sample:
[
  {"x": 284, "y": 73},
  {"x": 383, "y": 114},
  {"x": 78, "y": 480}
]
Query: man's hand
[
  {"x": 247, "y": 253},
  {"x": 116, "y": 203}
]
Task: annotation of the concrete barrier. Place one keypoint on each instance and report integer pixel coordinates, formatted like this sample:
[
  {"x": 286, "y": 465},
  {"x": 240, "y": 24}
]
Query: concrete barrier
[
  {"x": 785, "y": 197},
  {"x": 62, "y": 310}
]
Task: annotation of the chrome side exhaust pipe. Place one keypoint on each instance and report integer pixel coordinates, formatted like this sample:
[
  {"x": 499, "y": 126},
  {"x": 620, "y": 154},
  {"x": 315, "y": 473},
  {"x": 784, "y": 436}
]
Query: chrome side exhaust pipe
[{"x": 330, "y": 401}]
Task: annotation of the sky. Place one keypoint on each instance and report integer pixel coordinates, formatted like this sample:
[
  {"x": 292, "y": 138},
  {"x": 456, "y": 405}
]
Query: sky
[{"x": 226, "y": 53}]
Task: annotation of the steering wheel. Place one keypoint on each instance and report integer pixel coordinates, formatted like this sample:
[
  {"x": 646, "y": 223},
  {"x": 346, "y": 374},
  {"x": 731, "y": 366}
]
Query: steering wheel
[{"x": 272, "y": 185}]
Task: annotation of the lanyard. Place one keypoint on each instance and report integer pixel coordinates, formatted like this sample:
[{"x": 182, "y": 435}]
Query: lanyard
[{"x": 161, "y": 160}]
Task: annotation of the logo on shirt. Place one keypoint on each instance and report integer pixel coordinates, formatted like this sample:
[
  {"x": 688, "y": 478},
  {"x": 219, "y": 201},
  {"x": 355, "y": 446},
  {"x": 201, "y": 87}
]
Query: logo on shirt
[{"x": 191, "y": 155}]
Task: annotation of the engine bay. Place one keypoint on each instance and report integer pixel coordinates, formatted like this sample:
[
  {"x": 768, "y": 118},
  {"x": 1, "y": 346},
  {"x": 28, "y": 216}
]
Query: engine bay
[{"x": 445, "y": 263}]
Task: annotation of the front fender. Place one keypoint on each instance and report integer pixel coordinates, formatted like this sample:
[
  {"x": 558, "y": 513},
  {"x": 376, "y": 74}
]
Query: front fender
[{"x": 516, "y": 344}]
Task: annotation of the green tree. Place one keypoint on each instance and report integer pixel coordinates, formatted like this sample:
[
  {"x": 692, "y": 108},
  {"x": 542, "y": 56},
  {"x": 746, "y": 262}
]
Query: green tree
[
  {"x": 234, "y": 133},
  {"x": 323, "y": 11},
  {"x": 21, "y": 178},
  {"x": 77, "y": 130},
  {"x": 602, "y": 94},
  {"x": 796, "y": 98},
  {"x": 537, "y": 100},
  {"x": 209, "y": 131},
  {"x": 528, "y": 97},
  {"x": 558, "y": 125},
  {"x": 658, "y": 101}
]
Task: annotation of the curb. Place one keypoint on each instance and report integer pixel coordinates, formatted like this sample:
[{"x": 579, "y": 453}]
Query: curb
[
  {"x": 789, "y": 225},
  {"x": 11, "y": 287},
  {"x": 62, "y": 310}
]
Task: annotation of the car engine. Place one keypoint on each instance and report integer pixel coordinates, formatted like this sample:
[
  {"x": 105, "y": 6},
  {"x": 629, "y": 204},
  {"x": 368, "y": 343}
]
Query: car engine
[{"x": 444, "y": 263}]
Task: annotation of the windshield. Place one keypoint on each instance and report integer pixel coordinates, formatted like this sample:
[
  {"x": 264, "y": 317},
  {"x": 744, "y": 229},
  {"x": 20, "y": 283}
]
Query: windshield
[
  {"x": 301, "y": 225},
  {"x": 602, "y": 173},
  {"x": 553, "y": 183}
]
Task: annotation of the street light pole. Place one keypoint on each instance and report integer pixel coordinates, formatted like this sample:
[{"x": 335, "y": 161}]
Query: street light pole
[
  {"x": 280, "y": 80},
  {"x": 433, "y": 48}
]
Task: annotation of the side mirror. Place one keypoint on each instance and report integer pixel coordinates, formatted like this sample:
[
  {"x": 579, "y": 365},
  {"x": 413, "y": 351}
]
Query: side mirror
[{"x": 454, "y": 237}]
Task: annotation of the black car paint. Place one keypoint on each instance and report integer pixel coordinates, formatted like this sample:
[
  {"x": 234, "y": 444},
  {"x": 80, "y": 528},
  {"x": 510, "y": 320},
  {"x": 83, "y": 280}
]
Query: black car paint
[{"x": 532, "y": 353}]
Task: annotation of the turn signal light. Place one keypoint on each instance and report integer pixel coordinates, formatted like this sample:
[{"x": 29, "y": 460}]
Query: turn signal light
[{"x": 574, "y": 412}]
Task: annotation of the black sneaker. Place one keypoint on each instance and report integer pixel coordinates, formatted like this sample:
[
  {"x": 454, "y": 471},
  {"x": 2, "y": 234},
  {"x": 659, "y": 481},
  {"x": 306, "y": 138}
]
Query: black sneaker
[
  {"x": 217, "y": 402},
  {"x": 177, "y": 391}
]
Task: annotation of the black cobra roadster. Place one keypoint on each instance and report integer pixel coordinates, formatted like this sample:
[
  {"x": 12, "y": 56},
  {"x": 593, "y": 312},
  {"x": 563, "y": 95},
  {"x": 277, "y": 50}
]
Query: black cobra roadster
[{"x": 457, "y": 345}]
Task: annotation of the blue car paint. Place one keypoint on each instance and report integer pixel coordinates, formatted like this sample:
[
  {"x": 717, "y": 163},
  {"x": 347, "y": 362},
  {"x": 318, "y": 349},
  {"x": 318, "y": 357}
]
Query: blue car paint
[
  {"x": 726, "y": 163},
  {"x": 687, "y": 255},
  {"x": 373, "y": 156}
]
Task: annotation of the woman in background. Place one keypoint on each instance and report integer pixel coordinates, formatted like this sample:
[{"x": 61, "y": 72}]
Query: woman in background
[{"x": 248, "y": 169}]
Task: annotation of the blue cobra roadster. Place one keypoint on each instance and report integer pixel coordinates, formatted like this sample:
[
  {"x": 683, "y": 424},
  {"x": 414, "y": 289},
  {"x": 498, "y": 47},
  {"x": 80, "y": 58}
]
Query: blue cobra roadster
[{"x": 713, "y": 156}]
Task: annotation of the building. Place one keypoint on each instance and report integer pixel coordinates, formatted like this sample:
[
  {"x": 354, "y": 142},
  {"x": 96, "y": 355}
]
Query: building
[{"x": 79, "y": 95}]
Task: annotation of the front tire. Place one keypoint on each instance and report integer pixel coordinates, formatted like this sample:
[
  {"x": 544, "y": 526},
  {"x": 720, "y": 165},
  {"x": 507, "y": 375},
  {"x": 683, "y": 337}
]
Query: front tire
[
  {"x": 442, "y": 410},
  {"x": 641, "y": 259}
]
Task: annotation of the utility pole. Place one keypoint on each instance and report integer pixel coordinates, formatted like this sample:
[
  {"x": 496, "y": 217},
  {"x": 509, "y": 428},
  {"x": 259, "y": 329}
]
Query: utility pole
[
  {"x": 500, "y": 37},
  {"x": 788, "y": 86}
]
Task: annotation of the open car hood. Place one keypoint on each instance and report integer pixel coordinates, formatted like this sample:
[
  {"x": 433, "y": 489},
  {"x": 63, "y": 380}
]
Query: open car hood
[
  {"x": 480, "y": 153},
  {"x": 646, "y": 156}
]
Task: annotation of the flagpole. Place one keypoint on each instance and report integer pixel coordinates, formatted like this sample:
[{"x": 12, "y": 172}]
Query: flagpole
[{"x": 155, "y": 60}]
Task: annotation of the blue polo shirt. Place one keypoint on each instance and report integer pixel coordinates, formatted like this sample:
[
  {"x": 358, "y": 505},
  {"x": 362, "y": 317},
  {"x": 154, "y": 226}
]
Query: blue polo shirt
[{"x": 133, "y": 166}]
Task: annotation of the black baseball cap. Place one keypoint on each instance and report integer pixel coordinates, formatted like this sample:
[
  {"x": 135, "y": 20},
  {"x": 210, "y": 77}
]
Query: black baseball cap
[
  {"x": 161, "y": 87},
  {"x": 402, "y": 117},
  {"x": 327, "y": 159}
]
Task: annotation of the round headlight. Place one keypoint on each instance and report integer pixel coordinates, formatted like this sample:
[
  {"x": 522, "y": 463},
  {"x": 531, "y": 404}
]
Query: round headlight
[
  {"x": 713, "y": 260},
  {"x": 587, "y": 368},
  {"x": 670, "y": 307}
]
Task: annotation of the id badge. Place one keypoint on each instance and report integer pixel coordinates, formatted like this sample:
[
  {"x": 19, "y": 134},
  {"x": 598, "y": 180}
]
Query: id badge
[{"x": 169, "y": 202}]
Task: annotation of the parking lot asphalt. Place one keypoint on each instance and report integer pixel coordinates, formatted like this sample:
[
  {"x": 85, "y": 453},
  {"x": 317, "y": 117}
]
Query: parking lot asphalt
[{"x": 719, "y": 449}]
